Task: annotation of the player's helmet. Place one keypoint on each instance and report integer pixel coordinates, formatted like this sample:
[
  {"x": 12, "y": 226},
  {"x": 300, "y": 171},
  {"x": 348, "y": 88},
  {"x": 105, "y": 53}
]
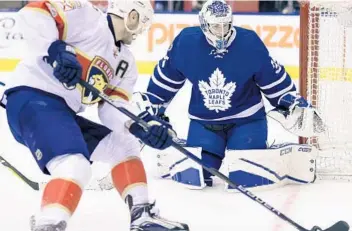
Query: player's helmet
[
  {"x": 122, "y": 8},
  {"x": 216, "y": 22}
]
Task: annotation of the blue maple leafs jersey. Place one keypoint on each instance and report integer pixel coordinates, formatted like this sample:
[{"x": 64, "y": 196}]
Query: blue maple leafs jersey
[{"x": 225, "y": 87}]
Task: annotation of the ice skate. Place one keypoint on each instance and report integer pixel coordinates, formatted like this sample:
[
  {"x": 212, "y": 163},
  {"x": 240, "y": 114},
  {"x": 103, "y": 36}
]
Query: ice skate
[
  {"x": 144, "y": 217},
  {"x": 61, "y": 226}
]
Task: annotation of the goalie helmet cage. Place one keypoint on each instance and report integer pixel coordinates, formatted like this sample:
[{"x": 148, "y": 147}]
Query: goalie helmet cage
[{"x": 326, "y": 81}]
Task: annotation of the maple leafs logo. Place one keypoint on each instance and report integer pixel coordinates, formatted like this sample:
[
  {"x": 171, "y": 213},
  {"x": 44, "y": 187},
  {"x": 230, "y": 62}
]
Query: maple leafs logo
[{"x": 217, "y": 95}]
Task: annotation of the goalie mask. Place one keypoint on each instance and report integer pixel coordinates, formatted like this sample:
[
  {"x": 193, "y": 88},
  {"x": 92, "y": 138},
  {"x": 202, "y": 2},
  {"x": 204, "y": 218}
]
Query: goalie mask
[
  {"x": 122, "y": 8},
  {"x": 216, "y": 23}
]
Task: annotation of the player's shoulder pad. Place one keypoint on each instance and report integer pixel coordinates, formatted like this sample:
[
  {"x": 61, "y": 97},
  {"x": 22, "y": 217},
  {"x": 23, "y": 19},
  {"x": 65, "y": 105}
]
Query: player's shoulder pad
[
  {"x": 126, "y": 54},
  {"x": 72, "y": 5},
  {"x": 247, "y": 34},
  {"x": 191, "y": 31},
  {"x": 251, "y": 38},
  {"x": 188, "y": 37},
  {"x": 85, "y": 9},
  {"x": 81, "y": 9}
]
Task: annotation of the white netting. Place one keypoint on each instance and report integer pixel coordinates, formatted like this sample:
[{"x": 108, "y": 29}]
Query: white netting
[{"x": 329, "y": 83}]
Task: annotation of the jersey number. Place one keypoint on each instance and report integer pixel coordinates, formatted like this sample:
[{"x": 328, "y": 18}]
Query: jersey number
[{"x": 121, "y": 68}]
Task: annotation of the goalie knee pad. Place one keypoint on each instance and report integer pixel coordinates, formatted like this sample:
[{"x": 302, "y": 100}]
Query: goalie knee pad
[{"x": 270, "y": 168}]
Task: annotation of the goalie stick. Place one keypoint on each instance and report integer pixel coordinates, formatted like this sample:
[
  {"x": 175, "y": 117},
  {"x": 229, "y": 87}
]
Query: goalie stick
[
  {"x": 339, "y": 226},
  {"x": 32, "y": 184}
]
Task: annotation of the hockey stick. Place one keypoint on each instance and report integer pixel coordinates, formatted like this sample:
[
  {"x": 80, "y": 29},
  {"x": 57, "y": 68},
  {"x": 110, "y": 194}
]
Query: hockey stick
[
  {"x": 32, "y": 184},
  {"x": 339, "y": 226}
]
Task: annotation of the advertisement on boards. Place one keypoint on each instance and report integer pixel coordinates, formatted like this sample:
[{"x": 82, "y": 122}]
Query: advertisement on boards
[
  {"x": 279, "y": 33},
  {"x": 12, "y": 46},
  {"x": 10, "y": 32}
]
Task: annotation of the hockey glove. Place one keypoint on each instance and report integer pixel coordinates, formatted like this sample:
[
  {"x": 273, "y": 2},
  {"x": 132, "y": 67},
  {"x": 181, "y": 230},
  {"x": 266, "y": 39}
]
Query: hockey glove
[
  {"x": 297, "y": 116},
  {"x": 291, "y": 101},
  {"x": 62, "y": 57},
  {"x": 158, "y": 136}
]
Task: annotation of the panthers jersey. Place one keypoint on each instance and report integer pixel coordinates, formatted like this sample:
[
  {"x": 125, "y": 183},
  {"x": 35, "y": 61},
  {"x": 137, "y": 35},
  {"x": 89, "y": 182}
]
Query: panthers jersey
[{"x": 107, "y": 64}]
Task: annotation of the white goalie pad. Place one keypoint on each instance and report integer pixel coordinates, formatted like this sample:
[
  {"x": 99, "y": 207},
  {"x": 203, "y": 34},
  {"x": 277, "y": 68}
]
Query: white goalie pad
[
  {"x": 176, "y": 166},
  {"x": 270, "y": 168},
  {"x": 166, "y": 158},
  {"x": 304, "y": 122}
]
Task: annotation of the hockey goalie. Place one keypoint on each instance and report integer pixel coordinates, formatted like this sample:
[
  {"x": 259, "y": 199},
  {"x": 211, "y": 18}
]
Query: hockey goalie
[{"x": 231, "y": 71}]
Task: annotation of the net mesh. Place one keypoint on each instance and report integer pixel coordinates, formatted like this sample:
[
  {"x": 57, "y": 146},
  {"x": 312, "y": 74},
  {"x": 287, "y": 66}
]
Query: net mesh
[{"x": 329, "y": 84}]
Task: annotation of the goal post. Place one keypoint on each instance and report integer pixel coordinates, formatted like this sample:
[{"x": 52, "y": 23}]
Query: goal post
[{"x": 326, "y": 81}]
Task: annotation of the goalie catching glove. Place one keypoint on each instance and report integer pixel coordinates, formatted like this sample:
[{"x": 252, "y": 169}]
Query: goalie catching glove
[
  {"x": 159, "y": 135},
  {"x": 297, "y": 116}
]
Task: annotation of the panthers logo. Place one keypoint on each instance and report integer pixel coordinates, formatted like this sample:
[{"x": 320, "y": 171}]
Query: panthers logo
[
  {"x": 97, "y": 75},
  {"x": 98, "y": 82}
]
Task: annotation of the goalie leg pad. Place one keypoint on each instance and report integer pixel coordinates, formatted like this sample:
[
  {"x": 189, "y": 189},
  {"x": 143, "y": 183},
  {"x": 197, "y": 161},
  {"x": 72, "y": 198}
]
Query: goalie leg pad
[
  {"x": 174, "y": 165},
  {"x": 213, "y": 140},
  {"x": 187, "y": 172},
  {"x": 167, "y": 158},
  {"x": 270, "y": 168}
]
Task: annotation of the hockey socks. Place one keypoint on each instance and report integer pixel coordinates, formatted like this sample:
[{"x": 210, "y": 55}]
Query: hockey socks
[
  {"x": 60, "y": 200},
  {"x": 129, "y": 178}
]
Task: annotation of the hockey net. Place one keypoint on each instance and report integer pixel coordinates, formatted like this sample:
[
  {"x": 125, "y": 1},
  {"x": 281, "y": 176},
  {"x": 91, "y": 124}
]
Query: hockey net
[{"x": 326, "y": 81}]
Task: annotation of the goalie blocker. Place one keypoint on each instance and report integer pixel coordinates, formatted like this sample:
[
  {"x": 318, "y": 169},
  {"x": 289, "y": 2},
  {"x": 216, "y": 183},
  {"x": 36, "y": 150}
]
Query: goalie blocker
[{"x": 257, "y": 169}]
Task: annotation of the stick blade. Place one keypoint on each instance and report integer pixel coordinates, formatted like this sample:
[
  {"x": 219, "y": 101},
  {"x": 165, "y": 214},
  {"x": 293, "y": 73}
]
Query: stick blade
[{"x": 339, "y": 226}]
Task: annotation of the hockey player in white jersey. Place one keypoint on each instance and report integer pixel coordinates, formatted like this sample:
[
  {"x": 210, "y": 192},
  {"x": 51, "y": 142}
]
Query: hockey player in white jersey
[
  {"x": 69, "y": 41},
  {"x": 230, "y": 68}
]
